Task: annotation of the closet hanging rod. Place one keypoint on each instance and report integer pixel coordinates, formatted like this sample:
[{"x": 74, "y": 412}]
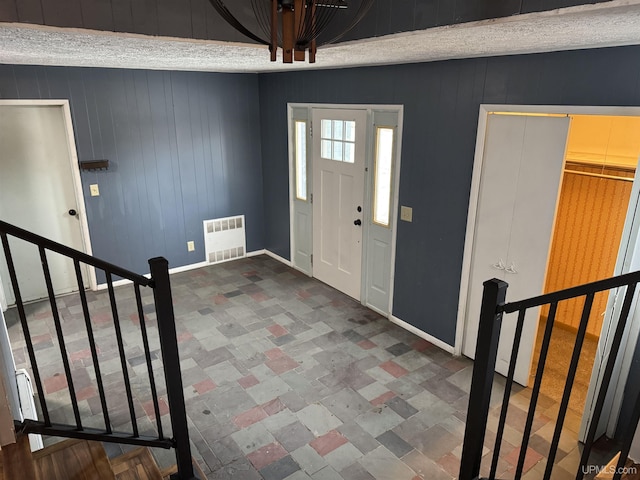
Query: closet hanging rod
[{"x": 600, "y": 175}]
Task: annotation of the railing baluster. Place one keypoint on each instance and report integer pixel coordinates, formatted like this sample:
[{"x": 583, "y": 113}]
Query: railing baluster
[
  {"x": 573, "y": 366},
  {"x": 147, "y": 355},
  {"x": 482, "y": 380},
  {"x": 123, "y": 359},
  {"x": 61, "y": 343},
  {"x": 606, "y": 378},
  {"x": 542, "y": 359},
  {"x": 92, "y": 345},
  {"x": 507, "y": 393},
  {"x": 25, "y": 327}
]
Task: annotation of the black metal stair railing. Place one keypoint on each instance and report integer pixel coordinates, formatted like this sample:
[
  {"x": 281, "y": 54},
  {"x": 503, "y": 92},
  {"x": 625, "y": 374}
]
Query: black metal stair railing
[
  {"x": 160, "y": 285},
  {"x": 491, "y": 319}
]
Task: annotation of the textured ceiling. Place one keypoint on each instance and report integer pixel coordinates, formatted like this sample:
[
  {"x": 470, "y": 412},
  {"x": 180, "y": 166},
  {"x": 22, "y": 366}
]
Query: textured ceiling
[{"x": 600, "y": 25}]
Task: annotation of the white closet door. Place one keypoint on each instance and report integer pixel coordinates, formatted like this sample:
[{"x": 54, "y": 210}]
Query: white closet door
[
  {"x": 534, "y": 214},
  {"x": 522, "y": 164}
]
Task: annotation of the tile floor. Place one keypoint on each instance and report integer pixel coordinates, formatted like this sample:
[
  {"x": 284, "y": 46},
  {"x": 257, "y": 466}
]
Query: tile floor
[{"x": 286, "y": 378}]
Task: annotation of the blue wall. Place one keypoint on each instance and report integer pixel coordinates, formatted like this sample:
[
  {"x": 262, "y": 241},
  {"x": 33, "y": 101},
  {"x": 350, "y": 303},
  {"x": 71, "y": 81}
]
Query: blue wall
[
  {"x": 183, "y": 147},
  {"x": 441, "y": 103}
]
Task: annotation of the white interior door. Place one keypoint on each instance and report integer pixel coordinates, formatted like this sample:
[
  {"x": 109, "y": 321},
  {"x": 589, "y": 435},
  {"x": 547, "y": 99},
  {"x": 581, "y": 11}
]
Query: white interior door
[
  {"x": 36, "y": 193},
  {"x": 521, "y": 171},
  {"x": 339, "y": 152}
]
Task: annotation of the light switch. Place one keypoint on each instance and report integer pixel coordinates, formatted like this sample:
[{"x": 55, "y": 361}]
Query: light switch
[
  {"x": 191, "y": 246},
  {"x": 406, "y": 214},
  {"x": 95, "y": 191}
]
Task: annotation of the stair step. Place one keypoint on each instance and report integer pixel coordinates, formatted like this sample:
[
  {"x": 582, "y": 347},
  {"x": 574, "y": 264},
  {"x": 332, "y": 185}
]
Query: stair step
[
  {"x": 73, "y": 460},
  {"x": 136, "y": 464},
  {"x": 16, "y": 460}
]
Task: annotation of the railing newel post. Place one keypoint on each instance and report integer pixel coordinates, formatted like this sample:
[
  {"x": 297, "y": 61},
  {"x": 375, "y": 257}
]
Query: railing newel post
[
  {"x": 493, "y": 296},
  {"x": 171, "y": 363}
]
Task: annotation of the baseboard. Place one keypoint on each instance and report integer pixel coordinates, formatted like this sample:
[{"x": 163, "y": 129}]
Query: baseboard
[
  {"x": 117, "y": 283},
  {"x": 193, "y": 266},
  {"x": 183, "y": 268},
  {"x": 425, "y": 336},
  {"x": 275, "y": 256}
]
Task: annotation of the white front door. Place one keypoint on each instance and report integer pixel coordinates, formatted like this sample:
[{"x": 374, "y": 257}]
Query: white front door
[
  {"x": 521, "y": 172},
  {"x": 339, "y": 152},
  {"x": 37, "y": 192}
]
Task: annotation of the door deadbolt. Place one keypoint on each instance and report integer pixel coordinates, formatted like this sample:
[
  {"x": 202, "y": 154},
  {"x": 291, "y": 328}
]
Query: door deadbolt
[{"x": 72, "y": 212}]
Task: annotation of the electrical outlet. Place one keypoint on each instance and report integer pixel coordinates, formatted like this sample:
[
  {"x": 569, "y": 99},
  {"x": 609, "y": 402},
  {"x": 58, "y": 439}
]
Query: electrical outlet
[
  {"x": 191, "y": 246},
  {"x": 95, "y": 191},
  {"x": 406, "y": 214}
]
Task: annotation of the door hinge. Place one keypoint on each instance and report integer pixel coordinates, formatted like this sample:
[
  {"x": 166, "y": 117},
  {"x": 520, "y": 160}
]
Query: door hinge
[
  {"x": 311, "y": 129},
  {"x": 312, "y": 259},
  {"x": 311, "y": 197}
]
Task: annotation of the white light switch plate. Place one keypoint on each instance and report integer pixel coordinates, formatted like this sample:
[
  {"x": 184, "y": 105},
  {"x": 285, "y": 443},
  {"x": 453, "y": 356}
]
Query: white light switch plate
[
  {"x": 95, "y": 191},
  {"x": 191, "y": 246},
  {"x": 406, "y": 214}
]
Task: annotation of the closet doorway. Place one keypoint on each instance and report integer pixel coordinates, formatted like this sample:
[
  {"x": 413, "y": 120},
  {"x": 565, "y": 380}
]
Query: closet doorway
[
  {"x": 599, "y": 169},
  {"x": 589, "y": 160}
]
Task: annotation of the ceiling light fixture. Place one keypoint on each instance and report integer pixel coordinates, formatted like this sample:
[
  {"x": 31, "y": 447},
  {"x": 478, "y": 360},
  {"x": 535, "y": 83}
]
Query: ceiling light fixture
[{"x": 293, "y": 25}]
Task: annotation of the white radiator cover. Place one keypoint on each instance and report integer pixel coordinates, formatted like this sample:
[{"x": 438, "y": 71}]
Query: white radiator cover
[{"x": 225, "y": 239}]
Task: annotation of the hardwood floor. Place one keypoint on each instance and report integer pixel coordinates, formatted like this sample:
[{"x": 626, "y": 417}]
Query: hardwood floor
[
  {"x": 75, "y": 460},
  {"x": 137, "y": 464}
]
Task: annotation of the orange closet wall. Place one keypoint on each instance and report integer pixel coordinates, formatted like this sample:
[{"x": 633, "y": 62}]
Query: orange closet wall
[{"x": 592, "y": 210}]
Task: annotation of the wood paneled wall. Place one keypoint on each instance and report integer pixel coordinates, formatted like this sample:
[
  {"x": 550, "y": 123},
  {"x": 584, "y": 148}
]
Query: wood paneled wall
[
  {"x": 183, "y": 147},
  {"x": 588, "y": 230},
  {"x": 441, "y": 102}
]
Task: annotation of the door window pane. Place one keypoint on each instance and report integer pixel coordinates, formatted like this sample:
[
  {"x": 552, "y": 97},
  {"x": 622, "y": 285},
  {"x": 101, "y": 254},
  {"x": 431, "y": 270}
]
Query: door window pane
[
  {"x": 350, "y": 131},
  {"x": 383, "y": 166},
  {"x": 326, "y": 150},
  {"x": 337, "y": 151},
  {"x": 326, "y": 129},
  {"x": 338, "y": 140},
  {"x": 301, "y": 159},
  {"x": 338, "y": 129},
  {"x": 349, "y": 152}
]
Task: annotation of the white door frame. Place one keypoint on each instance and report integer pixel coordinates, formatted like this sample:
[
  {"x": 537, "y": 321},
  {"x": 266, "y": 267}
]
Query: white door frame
[
  {"x": 75, "y": 172},
  {"x": 627, "y": 347},
  {"x": 367, "y": 189}
]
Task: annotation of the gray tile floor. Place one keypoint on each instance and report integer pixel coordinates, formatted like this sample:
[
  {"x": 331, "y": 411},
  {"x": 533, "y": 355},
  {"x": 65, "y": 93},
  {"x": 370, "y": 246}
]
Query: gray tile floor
[{"x": 286, "y": 378}]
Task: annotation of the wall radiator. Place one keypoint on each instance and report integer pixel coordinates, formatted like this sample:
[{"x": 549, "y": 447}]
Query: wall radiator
[{"x": 225, "y": 239}]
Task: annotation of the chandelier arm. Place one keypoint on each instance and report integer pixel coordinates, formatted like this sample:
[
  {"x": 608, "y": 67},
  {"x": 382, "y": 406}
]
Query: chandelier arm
[
  {"x": 231, "y": 20},
  {"x": 263, "y": 16},
  {"x": 322, "y": 19},
  {"x": 362, "y": 11}
]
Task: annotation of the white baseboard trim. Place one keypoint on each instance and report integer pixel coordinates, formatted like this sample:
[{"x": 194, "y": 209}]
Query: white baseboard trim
[
  {"x": 183, "y": 268},
  {"x": 193, "y": 266},
  {"x": 416, "y": 331},
  {"x": 117, "y": 283},
  {"x": 275, "y": 256}
]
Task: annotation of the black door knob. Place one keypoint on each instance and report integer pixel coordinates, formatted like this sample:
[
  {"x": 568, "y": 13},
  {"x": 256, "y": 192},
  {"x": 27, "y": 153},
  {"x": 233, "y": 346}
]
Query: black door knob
[
  {"x": 72, "y": 212},
  {"x": 357, "y": 222}
]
